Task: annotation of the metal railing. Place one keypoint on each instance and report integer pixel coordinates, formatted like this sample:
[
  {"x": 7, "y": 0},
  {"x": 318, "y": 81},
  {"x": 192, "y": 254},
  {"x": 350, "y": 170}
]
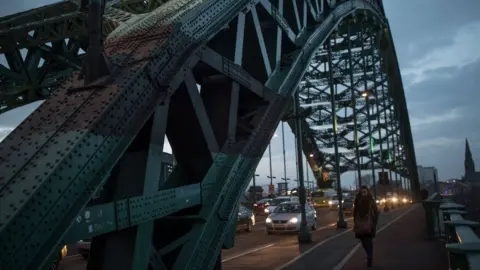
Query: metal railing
[{"x": 446, "y": 222}]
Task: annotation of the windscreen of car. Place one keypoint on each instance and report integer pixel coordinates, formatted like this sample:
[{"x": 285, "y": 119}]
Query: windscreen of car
[
  {"x": 287, "y": 208},
  {"x": 264, "y": 200},
  {"x": 318, "y": 194},
  {"x": 278, "y": 201},
  {"x": 243, "y": 209}
]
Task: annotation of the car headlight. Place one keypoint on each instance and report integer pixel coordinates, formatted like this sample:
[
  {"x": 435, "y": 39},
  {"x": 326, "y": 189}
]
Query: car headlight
[
  {"x": 266, "y": 210},
  {"x": 330, "y": 202},
  {"x": 383, "y": 200},
  {"x": 377, "y": 201},
  {"x": 268, "y": 220},
  {"x": 294, "y": 220},
  {"x": 404, "y": 200},
  {"x": 394, "y": 199}
]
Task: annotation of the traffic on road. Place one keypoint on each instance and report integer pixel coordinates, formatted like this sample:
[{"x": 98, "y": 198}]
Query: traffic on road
[{"x": 256, "y": 230}]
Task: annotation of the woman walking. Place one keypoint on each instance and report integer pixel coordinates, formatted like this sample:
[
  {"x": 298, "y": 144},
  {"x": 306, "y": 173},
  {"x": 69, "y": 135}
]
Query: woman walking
[{"x": 365, "y": 218}]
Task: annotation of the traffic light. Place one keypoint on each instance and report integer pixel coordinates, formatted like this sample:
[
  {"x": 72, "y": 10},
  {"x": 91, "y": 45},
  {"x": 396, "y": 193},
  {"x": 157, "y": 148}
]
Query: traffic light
[{"x": 383, "y": 178}]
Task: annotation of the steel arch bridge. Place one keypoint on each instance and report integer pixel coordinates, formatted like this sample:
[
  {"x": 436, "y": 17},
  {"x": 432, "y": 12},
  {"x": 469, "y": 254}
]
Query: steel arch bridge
[{"x": 249, "y": 57}]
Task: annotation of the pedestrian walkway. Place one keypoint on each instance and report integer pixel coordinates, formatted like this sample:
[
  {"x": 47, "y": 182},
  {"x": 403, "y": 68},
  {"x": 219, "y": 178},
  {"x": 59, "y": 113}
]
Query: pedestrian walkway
[{"x": 401, "y": 246}]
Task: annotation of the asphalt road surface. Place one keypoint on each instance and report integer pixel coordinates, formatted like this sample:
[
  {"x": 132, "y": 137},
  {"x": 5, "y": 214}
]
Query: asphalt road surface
[{"x": 245, "y": 242}]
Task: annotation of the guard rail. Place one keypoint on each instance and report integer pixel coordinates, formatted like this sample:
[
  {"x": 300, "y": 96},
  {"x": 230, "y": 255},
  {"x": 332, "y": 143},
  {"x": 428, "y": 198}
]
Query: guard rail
[{"x": 446, "y": 222}]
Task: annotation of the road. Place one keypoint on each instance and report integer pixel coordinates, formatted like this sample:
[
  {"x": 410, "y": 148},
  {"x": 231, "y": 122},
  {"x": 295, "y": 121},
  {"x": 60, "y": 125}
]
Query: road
[{"x": 245, "y": 242}]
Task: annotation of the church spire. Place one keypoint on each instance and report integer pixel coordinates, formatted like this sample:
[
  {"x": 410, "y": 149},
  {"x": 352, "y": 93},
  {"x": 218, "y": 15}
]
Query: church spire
[{"x": 469, "y": 163}]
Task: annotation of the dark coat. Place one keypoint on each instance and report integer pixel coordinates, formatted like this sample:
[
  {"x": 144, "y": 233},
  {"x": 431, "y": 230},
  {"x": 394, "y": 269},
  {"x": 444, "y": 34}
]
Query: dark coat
[{"x": 362, "y": 205}]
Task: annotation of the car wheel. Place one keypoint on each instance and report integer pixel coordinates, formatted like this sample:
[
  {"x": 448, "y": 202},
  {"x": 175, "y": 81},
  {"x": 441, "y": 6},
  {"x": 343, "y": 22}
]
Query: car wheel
[
  {"x": 85, "y": 257},
  {"x": 248, "y": 228},
  {"x": 314, "y": 226},
  {"x": 267, "y": 232}
]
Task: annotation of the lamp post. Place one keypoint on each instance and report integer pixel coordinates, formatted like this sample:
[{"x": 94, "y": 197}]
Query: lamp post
[
  {"x": 286, "y": 184},
  {"x": 271, "y": 182},
  {"x": 304, "y": 236},
  {"x": 367, "y": 100},
  {"x": 254, "y": 185},
  {"x": 341, "y": 223},
  {"x": 312, "y": 186},
  {"x": 284, "y": 159}
]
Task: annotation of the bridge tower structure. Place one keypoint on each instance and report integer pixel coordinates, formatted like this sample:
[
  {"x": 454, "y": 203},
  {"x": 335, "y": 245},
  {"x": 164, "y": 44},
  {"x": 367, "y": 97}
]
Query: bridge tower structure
[{"x": 216, "y": 77}]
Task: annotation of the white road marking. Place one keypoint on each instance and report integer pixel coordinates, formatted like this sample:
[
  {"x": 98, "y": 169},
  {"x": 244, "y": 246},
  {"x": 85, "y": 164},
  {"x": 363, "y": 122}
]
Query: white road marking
[
  {"x": 247, "y": 252},
  {"x": 271, "y": 244},
  {"x": 350, "y": 254},
  {"x": 335, "y": 236}
]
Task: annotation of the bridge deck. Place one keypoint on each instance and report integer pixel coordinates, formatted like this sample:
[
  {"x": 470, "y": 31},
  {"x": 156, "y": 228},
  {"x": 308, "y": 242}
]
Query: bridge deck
[{"x": 400, "y": 244}]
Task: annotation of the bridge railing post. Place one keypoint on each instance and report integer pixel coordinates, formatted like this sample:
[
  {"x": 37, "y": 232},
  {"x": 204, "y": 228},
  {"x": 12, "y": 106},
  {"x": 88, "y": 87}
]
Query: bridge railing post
[
  {"x": 430, "y": 206},
  {"x": 463, "y": 245}
]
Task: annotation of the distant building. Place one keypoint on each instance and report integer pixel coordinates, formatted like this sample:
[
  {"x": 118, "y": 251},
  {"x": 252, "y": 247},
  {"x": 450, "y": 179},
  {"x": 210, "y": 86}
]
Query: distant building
[
  {"x": 471, "y": 175},
  {"x": 427, "y": 175}
]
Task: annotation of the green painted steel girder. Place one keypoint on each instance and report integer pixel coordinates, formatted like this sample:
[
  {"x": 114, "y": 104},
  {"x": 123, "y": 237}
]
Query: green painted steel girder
[{"x": 42, "y": 47}]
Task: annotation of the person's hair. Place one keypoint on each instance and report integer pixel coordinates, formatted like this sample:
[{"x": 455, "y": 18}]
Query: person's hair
[{"x": 363, "y": 187}]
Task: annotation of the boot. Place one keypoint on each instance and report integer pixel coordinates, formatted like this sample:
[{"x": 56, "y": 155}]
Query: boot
[{"x": 369, "y": 262}]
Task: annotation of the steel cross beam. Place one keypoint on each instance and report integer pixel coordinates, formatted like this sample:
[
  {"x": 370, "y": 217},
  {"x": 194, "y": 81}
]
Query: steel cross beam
[
  {"x": 356, "y": 69},
  {"x": 181, "y": 71},
  {"x": 42, "y": 47}
]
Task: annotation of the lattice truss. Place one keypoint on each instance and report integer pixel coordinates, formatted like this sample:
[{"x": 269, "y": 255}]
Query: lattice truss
[
  {"x": 40, "y": 48},
  {"x": 247, "y": 57},
  {"x": 360, "y": 124}
]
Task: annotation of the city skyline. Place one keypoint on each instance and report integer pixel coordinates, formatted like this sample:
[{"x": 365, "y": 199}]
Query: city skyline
[{"x": 438, "y": 61}]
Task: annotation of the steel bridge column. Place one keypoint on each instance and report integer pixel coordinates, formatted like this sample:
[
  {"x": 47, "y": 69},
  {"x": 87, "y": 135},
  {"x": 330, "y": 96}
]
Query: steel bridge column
[
  {"x": 367, "y": 100},
  {"x": 375, "y": 86},
  {"x": 354, "y": 107},
  {"x": 341, "y": 223}
]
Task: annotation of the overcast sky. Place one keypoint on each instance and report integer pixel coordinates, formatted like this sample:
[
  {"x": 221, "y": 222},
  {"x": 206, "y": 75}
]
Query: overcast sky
[{"x": 438, "y": 43}]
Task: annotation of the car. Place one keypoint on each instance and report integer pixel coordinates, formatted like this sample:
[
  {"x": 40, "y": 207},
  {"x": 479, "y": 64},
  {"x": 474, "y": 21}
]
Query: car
[
  {"x": 333, "y": 203},
  {"x": 259, "y": 206},
  {"x": 347, "y": 205},
  {"x": 83, "y": 248},
  {"x": 278, "y": 200},
  {"x": 286, "y": 217},
  {"x": 62, "y": 254},
  {"x": 245, "y": 219}
]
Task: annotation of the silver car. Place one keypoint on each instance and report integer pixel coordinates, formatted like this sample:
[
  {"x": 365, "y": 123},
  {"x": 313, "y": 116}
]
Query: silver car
[{"x": 286, "y": 217}]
